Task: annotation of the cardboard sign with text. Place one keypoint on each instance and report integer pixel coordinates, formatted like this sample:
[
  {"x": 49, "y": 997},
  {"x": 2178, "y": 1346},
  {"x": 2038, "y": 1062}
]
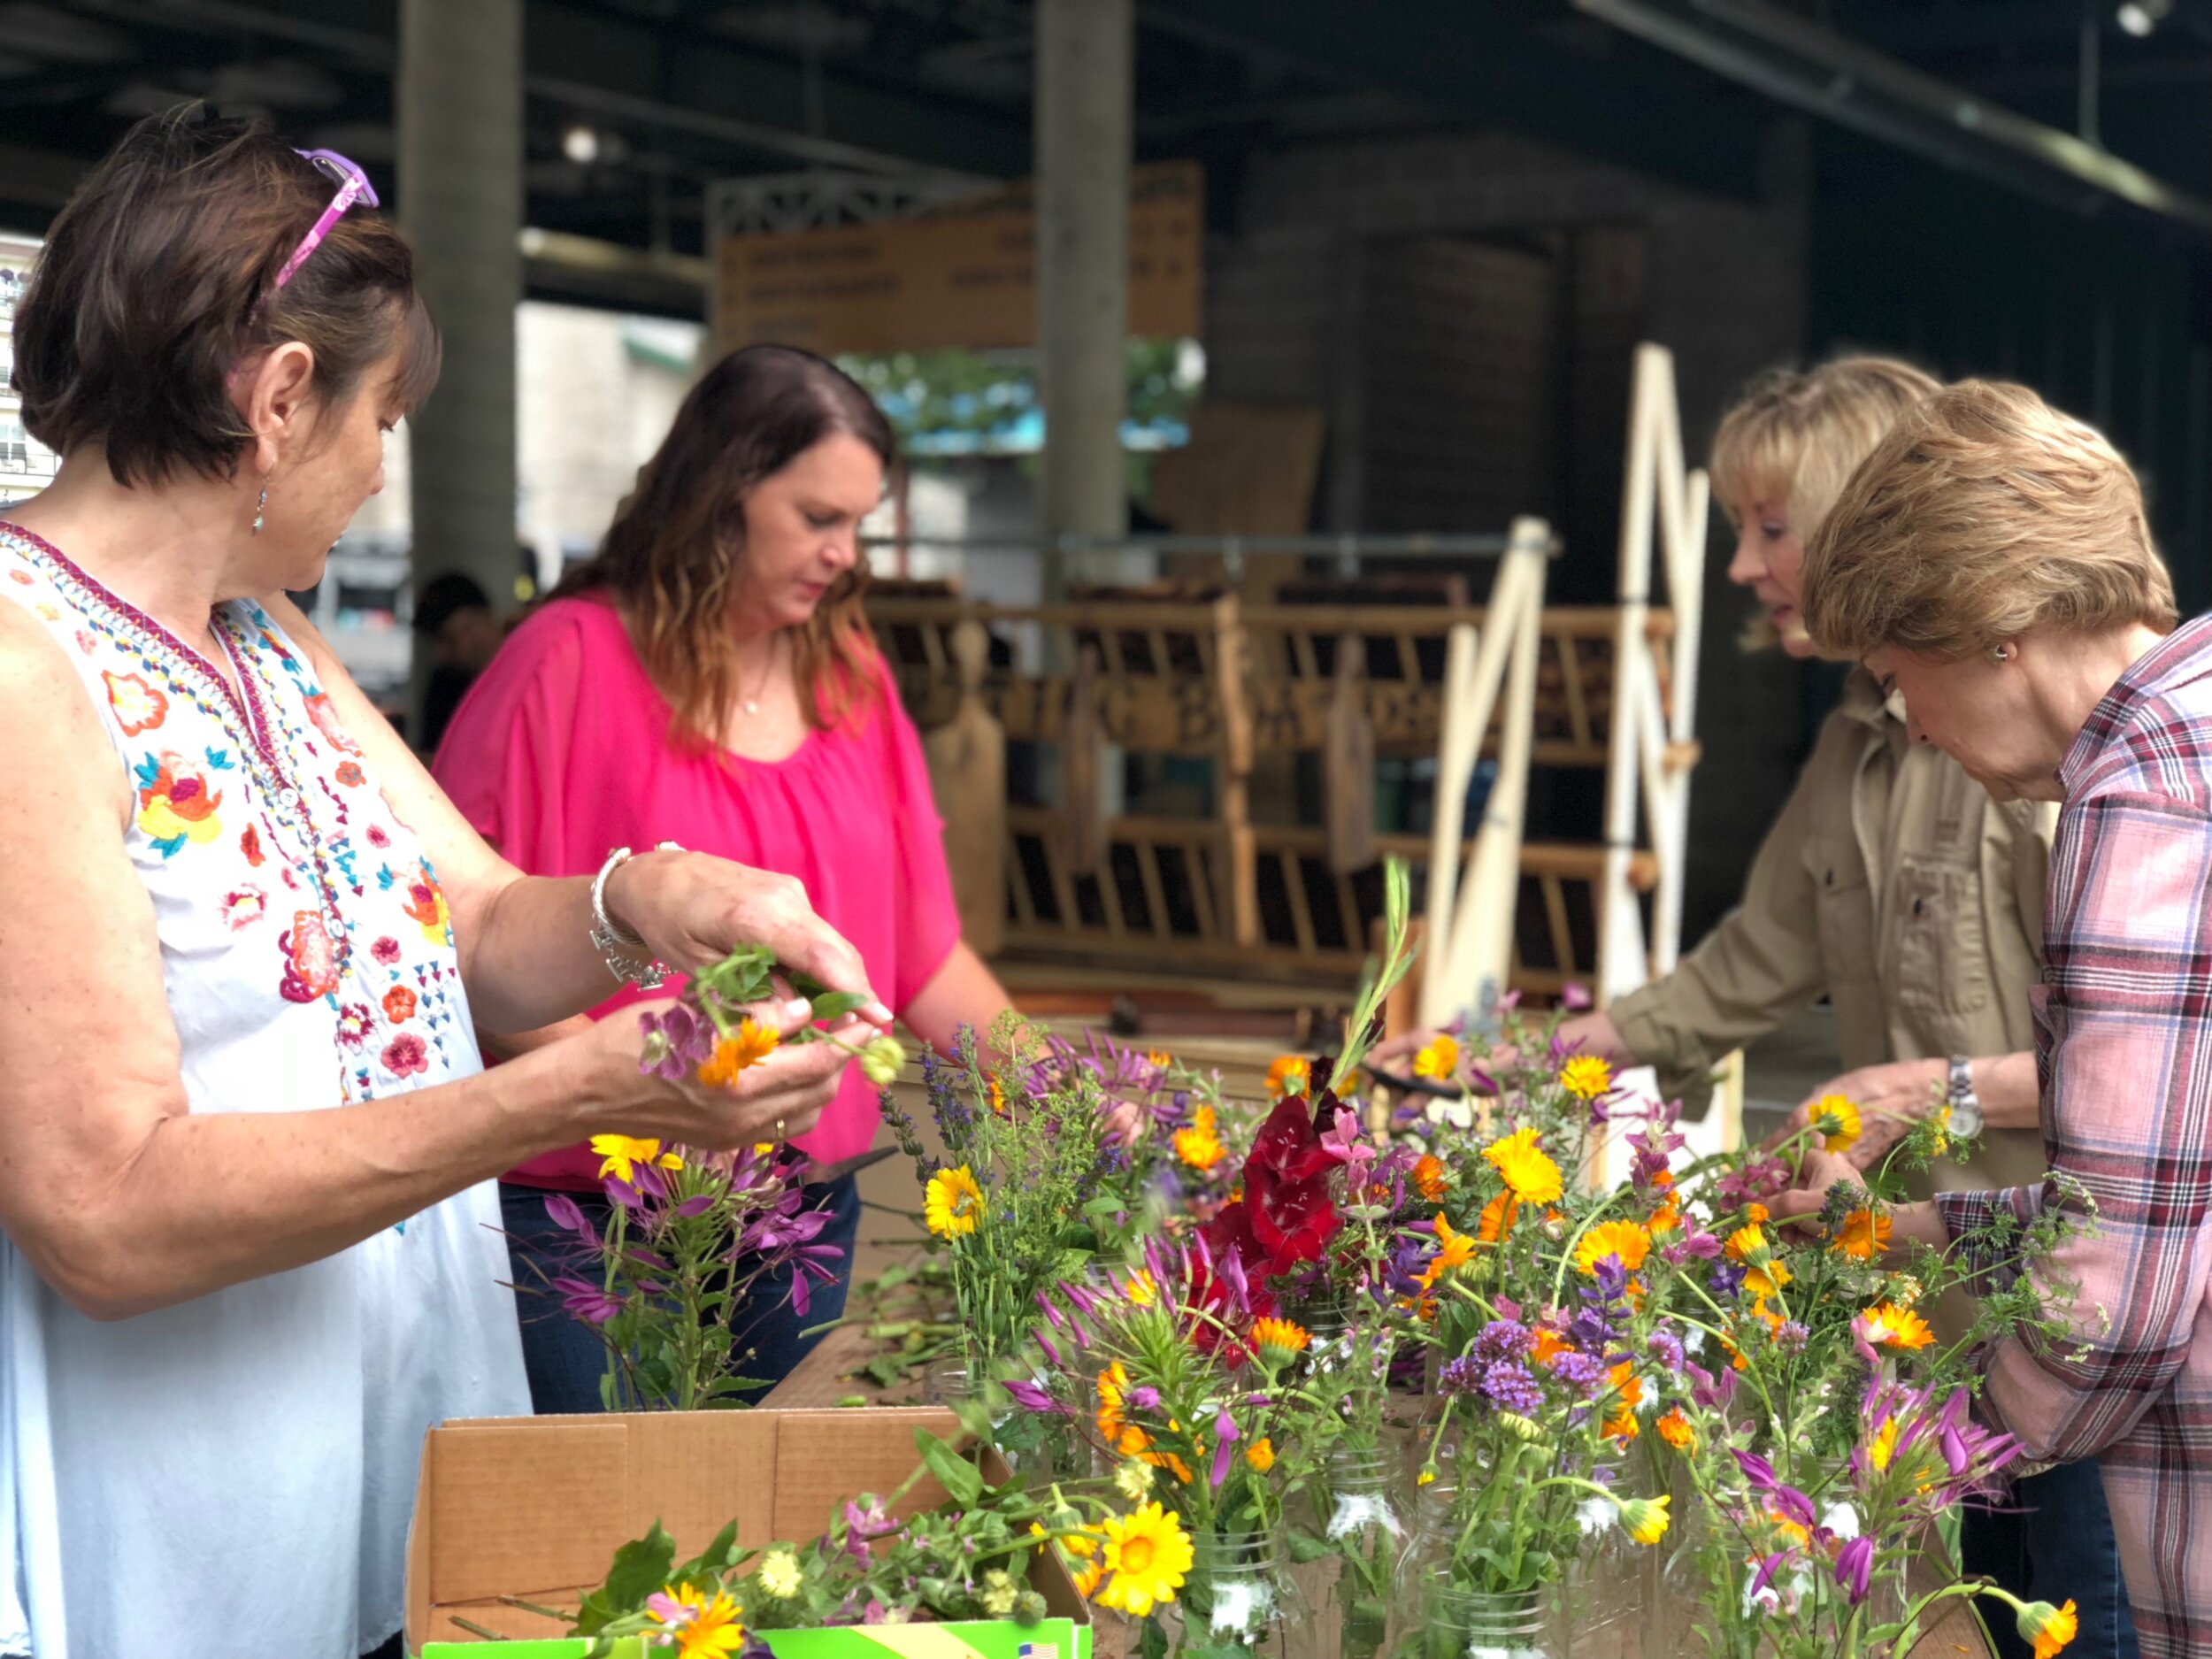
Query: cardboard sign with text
[
  {"x": 534, "y": 1507},
  {"x": 960, "y": 275}
]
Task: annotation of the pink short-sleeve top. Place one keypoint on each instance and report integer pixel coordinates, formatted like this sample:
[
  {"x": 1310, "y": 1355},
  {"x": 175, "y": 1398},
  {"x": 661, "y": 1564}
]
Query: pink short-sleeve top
[{"x": 561, "y": 751}]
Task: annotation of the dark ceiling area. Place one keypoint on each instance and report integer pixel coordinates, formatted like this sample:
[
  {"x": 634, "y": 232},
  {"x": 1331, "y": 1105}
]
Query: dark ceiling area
[{"x": 635, "y": 106}]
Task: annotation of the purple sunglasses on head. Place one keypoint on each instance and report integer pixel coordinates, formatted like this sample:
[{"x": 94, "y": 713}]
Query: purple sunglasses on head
[{"x": 353, "y": 186}]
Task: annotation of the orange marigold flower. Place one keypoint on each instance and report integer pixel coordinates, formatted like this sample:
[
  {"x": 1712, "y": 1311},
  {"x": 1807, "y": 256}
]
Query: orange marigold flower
[
  {"x": 1199, "y": 1148},
  {"x": 1863, "y": 1236},
  {"x": 734, "y": 1056},
  {"x": 1261, "y": 1454},
  {"x": 1677, "y": 1431},
  {"x": 1123, "y": 1436},
  {"x": 1428, "y": 1178},
  {"x": 1292, "y": 1074},
  {"x": 1454, "y": 1250},
  {"x": 1496, "y": 1220},
  {"x": 1888, "y": 1325}
]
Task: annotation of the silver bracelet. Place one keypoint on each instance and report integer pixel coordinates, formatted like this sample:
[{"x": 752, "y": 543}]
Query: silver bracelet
[{"x": 615, "y": 943}]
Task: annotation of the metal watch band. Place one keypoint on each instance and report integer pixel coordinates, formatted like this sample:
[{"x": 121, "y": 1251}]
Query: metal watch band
[{"x": 1966, "y": 1106}]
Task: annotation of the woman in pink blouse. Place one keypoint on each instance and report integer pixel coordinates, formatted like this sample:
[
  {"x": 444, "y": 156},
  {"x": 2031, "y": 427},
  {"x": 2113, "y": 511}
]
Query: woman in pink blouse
[{"x": 709, "y": 679}]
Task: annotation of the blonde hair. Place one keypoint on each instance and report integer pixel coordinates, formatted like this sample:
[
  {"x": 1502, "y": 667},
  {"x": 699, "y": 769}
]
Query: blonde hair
[
  {"x": 1984, "y": 515},
  {"x": 1795, "y": 435}
]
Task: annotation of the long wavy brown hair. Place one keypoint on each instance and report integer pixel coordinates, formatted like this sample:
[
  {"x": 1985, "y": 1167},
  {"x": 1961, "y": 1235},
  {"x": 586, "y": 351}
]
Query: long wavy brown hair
[{"x": 674, "y": 556}]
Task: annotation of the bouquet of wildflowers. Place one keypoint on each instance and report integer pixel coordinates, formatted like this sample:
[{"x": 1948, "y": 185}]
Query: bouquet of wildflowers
[
  {"x": 881, "y": 1562},
  {"x": 1007, "y": 1201},
  {"x": 670, "y": 1286},
  {"x": 1827, "y": 1431},
  {"x": 1189, "y": 1403},
  {"x": 1183, "y": 1150}
]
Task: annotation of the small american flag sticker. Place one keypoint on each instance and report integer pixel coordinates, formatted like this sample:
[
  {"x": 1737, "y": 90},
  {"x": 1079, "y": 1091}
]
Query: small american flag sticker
[{"x": 1038, "y": 1650}]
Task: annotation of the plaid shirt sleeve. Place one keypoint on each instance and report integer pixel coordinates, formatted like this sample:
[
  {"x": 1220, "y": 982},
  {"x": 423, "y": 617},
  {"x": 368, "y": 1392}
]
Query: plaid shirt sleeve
[{"x": 2128, "y": 1057}]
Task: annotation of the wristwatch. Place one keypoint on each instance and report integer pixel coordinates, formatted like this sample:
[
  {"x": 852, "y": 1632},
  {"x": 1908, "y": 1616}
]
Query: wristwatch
[{"x": 1966, "y": 1106}]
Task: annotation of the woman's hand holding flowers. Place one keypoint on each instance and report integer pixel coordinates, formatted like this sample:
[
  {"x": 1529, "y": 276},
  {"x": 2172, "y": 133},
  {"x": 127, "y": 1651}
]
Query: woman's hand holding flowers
[
  {"x": 692, "y": 909},
  {"x": 779, "y": 1090}
]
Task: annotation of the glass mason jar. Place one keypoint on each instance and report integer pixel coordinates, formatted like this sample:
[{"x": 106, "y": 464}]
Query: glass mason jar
[
  {"x": 945, "y": 1383},
  {"x": 1433, "y": 1616},
  {"x": 1359, "y": 1515},
  {"x": 1455, "y": 1623},
  {"x": 1238, "y": 1599}
]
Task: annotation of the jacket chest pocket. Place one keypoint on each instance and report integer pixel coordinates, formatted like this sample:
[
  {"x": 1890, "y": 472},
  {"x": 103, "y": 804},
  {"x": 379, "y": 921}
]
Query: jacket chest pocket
[
  {"x": 1843, "y": 906},
  {"x": 1939, "y": 937}
]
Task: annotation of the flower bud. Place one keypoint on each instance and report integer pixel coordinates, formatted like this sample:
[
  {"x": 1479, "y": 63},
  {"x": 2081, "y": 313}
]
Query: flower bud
[
  {"x": 882, "y": 1060},
  {"x": 1645, "y": 1519}
]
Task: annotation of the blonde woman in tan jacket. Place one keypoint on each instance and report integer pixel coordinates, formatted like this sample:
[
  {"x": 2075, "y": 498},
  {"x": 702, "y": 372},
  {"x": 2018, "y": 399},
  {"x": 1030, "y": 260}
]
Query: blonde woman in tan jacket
[{"x": 1894, "y": 885}]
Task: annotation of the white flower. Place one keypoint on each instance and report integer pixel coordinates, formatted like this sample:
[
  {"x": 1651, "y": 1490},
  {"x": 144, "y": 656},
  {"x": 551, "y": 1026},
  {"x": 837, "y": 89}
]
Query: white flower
[
  {"x": 1596, "y": 1515},
  {"x": 1133, "y": 1480},
  {"x": 1842, "y": 1520},
  {"x": 780, "y": 1574}
]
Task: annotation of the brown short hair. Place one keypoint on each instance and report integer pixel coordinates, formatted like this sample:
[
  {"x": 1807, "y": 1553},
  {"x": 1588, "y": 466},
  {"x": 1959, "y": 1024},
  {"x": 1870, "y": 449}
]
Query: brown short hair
[
  {"x": 1795, "y": 435},
  {"x": 676, "y": 549},
  {"x": 1985, "y": 514},
  {"x": 157, "y": 280}
]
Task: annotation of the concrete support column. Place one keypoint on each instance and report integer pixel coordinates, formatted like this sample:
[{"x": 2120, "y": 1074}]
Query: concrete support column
[
  {"x": 460, "y": 202},
  {"x": 1084, "y": 93}
]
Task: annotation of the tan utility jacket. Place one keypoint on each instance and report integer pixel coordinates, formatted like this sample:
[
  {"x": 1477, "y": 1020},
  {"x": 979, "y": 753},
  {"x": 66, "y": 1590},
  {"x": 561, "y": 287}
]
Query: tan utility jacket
[{"x": 1892, "y": 884}]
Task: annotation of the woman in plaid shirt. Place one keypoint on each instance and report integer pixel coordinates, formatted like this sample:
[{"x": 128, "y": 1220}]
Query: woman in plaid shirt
[{"x": 1991, "y": 560}]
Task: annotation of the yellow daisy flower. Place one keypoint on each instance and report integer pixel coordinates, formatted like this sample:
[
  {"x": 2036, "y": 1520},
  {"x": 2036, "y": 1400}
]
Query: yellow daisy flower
[
  {"x": 1528, "y": 1170},
  {"x": 1438, "y": 1061},
  {"x": 619, "y": 1155},
  {"x": 1838, "y": 1121},
  {"x": 953, "y": 1205},
  {"x": 1625, "y": 1240},
  {"x": 1585, "y": 1077},
  {"x": 1280, "y": 1341},
  {"x": 703, "y": 1626},
  {"x": 1147, "y": 1555}
]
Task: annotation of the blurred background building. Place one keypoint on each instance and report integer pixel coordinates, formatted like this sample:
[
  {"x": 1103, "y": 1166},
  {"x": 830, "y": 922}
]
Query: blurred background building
[{"x": 1431, "y": 231}]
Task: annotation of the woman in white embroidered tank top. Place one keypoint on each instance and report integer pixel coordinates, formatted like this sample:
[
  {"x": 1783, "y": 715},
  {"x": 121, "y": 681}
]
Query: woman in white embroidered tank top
[{"x": 248, "y": 1234}]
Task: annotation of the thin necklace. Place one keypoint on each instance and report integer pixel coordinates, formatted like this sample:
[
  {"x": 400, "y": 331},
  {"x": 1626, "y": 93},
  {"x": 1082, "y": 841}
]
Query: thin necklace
[{"x": 751, "y": 705}]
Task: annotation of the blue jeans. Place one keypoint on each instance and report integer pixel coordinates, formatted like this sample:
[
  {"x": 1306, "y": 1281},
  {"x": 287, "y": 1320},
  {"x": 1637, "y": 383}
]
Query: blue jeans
[
  {"x": 2054, "y": 1542},
  {"x": 566, "y": 1359}
]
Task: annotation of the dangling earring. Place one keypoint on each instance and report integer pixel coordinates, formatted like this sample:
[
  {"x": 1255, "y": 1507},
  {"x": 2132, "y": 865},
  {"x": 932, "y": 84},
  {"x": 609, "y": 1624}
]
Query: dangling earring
[{"x": 257, "y": 508}]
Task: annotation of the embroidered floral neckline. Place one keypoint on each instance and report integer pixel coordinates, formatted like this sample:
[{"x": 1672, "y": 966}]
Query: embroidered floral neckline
[{"x": 242, "y": 698}]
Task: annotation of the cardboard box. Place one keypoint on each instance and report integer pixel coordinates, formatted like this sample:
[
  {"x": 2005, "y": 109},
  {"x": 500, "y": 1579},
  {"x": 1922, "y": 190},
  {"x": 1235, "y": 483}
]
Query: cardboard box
[{"x": 536, "y": 1507}]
